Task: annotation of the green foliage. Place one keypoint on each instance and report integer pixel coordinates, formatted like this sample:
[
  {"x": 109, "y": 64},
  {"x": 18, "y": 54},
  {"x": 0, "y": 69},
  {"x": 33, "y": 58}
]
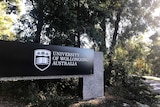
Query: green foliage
[
  {"x": 7, "y": 12},
  {"x": 130, "y": 19},
  {"x": 62, "y": 21},
  {"x": 153, "y": 58},
  {"x": 54, "y": 101},
  {"x": 126, "y": 74},
  {"x": 53, "y": 94},
  {"x": 5, "y": 23},
  {"x": 131, "y": 87},
  {"x": 130, "y": 54},
  {"x": 19, "y": 89}
]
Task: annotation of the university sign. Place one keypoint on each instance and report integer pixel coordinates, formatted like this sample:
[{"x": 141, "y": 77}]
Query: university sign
[{"x": 29, "y": 59}]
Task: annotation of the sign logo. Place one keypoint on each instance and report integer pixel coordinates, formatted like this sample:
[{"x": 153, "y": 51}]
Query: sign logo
[{"x": 42, "y": 59}]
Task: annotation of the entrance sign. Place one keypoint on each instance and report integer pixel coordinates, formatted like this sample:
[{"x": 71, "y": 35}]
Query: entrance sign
[{"x": 30, "y": 59}]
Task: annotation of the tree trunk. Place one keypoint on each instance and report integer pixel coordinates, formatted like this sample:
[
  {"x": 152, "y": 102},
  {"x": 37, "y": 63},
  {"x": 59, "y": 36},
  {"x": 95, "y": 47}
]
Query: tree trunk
[
  {"x": 40, "y": 83},
  {"x": 39, "y": 27},
  {"x": 113, "y": 43},
  {"x": 103, "y": 42},
  {"x": 78, "y": 44}
]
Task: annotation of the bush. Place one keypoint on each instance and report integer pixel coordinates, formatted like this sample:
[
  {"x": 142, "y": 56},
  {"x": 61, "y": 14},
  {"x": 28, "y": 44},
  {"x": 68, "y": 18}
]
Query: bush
[
  {"x": 51, "y": 93},
  {"x": 18, "y": 89},
  {"x": 51, "y": 100},
  {"x": 131, "y": 87}
]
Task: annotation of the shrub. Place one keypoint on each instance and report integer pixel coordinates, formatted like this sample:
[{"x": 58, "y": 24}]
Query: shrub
[
  {"x": 131, "y": 87},
  {"x": 51, "y": 93}
]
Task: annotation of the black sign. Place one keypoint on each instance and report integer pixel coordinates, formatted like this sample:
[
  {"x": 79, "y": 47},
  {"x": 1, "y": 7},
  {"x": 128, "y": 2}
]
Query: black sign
[{"x": 29, "y": 59}]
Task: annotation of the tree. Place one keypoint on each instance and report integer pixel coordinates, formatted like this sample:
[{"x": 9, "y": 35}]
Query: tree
[
  {"x": 6, "y": 23},
  {"x": 9, "y": 10},
  {"x": 62, "y": 22},
  {"x": 63, "y": 19},
  {"x": 153, "y": 58},
  {"x": 132, "y": 19}
]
